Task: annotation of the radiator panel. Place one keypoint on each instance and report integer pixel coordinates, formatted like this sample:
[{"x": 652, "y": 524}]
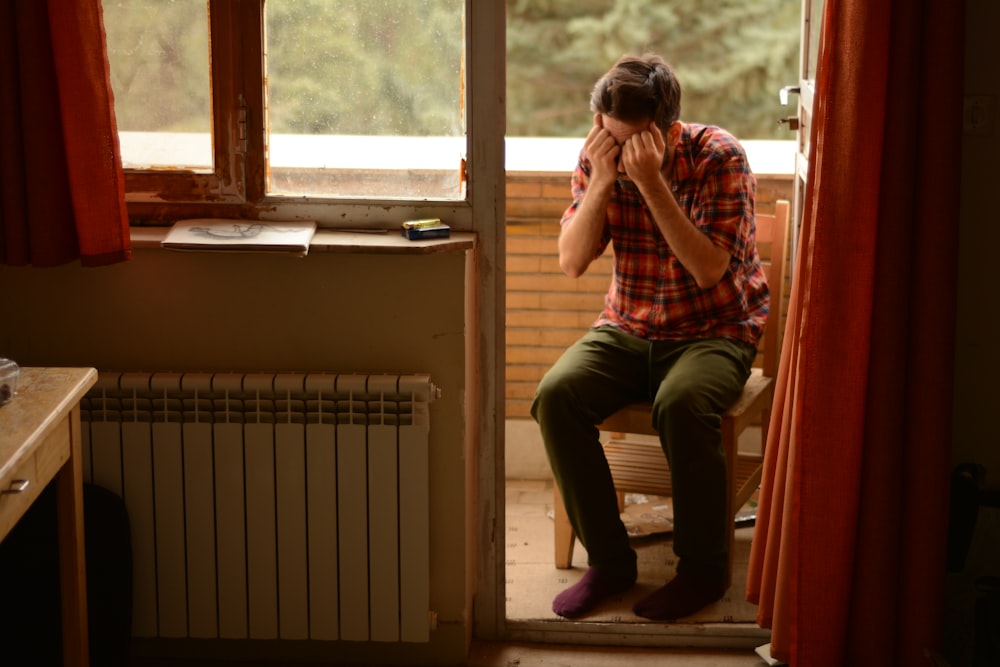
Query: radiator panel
[
  {"x": 270, "y": 506},
  {"x": 199, "y": 524},
  {"x": 324, "y": 601}
]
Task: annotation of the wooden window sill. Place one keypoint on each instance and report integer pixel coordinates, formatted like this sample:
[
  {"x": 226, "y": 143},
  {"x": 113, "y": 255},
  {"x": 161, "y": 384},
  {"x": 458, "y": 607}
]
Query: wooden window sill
[{"x": 335, "y": 241}]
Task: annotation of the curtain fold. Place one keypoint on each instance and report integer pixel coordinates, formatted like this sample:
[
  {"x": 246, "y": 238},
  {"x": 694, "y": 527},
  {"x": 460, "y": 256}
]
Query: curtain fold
[
  {"x": 848, "y": 558},
  {"x": 61, "y": 178}
]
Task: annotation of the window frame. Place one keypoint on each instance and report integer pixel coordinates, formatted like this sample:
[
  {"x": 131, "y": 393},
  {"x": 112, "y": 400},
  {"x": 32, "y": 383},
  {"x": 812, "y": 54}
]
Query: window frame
[{"x": 236, "y": 185}]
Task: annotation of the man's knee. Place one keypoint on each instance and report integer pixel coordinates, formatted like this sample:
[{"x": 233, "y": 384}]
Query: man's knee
[
  {"x": 677, "y": 402},
  {"x": 551, "y": 388}
]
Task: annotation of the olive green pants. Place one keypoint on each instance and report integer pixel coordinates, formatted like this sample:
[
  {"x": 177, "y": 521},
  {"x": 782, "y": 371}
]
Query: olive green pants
[{"x": 690, "y": 383}]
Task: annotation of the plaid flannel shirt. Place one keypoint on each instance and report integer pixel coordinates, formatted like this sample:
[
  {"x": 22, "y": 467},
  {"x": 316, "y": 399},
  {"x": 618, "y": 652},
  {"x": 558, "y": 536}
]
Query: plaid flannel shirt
[{"x": 651, "y": 294}]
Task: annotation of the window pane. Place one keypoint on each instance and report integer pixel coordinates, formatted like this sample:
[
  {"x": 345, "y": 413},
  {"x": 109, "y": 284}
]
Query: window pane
[
  {"x": 815, "y": 33},
  {"x": 732, "y": 58},
  {"x": 365, "y": 98},
  {"x": 158, "y": 52}
]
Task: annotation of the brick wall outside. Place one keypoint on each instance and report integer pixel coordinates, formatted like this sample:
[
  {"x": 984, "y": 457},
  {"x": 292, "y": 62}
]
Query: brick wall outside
[{"x": 546, "y": 310}]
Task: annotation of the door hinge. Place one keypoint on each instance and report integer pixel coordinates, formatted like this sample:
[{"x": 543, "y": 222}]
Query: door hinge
[{"x": 242, "y": 129}]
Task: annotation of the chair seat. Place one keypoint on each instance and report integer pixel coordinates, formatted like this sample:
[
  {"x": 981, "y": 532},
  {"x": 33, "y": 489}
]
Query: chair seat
[
  {"x": 641, "y": 467},
  {"x": 756, "y": 395}
]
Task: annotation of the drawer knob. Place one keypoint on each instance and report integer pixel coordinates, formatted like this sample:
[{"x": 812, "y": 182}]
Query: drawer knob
[{"x": 17, "y": 486}]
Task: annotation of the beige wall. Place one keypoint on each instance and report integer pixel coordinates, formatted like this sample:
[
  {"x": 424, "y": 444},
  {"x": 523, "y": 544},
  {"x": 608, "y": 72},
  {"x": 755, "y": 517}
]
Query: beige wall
[
  {"x": 977, "y": 355},
  {"x": 337, "y": 312}
]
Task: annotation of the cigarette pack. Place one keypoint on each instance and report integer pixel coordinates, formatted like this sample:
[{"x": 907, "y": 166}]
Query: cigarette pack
[{"x": 438, "y": 231}]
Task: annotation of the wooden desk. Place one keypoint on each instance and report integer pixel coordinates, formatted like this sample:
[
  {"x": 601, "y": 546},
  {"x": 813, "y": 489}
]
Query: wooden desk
[{"x": 39, "y": 442}]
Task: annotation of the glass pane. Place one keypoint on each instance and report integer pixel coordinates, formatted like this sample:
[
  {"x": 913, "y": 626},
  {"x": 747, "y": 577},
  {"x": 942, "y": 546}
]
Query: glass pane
[
  {"x": 158, "y": 52},
  {"x": 815, "y": 33},
  {"x": 365, "y": 98},
  {"x": 730, "y": 57}
]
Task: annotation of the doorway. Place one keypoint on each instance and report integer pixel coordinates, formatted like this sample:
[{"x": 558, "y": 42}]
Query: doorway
[{"x": 545, "y": 313}]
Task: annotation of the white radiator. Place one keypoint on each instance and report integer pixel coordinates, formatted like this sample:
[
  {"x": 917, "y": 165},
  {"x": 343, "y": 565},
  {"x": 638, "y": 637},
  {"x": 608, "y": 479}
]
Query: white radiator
[{"x": 270, "y": 506}]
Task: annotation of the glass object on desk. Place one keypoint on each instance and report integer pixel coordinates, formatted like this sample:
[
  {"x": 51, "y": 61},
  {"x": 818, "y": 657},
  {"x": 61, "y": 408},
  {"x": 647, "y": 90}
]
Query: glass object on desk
[{"x": 10, "y": 372}]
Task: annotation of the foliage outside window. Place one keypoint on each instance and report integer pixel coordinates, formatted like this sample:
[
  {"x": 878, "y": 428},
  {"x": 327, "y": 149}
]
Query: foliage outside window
[
  {"x": 732, "y": 58},
  {"x": 308, "y": 98},
  {"x": 251, "y": 103}
]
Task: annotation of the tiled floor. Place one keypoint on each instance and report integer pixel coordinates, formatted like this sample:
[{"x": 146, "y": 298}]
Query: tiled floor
[
  {"x": 487, "y": 654},
  {"x": 532, "y": 580}
]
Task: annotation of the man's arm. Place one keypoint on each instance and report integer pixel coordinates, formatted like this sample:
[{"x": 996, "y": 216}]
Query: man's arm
[
  {"x": 643, "y": 158},
  {"x": 581, "y": 234}
]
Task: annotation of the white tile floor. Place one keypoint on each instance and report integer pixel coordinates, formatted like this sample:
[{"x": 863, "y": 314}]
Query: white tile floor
[
  {"x": 489, "y": 654},
  {"x": 532, "y": 580}
]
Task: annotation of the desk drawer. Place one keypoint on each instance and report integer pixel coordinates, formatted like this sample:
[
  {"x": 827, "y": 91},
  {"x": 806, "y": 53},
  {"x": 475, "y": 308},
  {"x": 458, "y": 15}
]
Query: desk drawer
[{"x": 19, "y": 489}]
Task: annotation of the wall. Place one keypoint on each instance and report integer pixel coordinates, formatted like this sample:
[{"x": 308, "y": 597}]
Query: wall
[
  {"x": 329, "y": 311},
  {"x": 977, "y": 356}
]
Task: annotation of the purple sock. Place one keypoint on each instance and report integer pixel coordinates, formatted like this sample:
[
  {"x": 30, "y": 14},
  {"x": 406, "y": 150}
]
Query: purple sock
[
  {"x": 682, "y": 596},
  {"x": 594, "y": 587}
]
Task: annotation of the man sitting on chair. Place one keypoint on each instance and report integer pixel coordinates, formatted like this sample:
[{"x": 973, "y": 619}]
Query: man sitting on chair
[{"x": 682, "y": 317}]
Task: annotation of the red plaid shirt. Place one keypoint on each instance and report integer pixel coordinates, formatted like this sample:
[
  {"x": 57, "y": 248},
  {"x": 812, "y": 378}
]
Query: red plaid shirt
[{"x": 651, "y": 294}]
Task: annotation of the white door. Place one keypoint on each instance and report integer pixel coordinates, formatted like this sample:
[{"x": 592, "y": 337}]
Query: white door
[{"x": 801, "y": 122}]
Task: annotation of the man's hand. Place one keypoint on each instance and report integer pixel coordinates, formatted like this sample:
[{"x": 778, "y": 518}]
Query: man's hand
[
  {"x": 642, "y": 155},
  {"x": 603, "y": 152}
]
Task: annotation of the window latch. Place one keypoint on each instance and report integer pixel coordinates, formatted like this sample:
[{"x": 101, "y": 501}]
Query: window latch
[
  {"x": 792, "y": 121},
  {"x": 784, "y": 92}
]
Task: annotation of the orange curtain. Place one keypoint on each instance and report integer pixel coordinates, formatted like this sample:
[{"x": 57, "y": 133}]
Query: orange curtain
[
  {"x": 848, "y": 558},
  {"x": 61, "y": 180}
]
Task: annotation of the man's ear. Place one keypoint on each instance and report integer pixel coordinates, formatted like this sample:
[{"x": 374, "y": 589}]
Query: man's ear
[{"x": 674, "y": 133}]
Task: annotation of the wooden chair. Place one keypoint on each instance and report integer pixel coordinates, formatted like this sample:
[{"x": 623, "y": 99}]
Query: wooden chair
[{"x": 639, "y": 466}]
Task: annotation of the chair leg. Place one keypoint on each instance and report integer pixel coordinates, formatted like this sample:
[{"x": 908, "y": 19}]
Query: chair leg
[
  {"x": 730, "y": 443},
  {"x": 732, "y": 553},
  {"x": 565, "y": 538}
]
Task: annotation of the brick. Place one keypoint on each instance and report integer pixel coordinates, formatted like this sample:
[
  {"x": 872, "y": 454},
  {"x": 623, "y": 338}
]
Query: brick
[
  {"x": 523, "y": 189},
  {"x": 541, "y": 337},
  {"x": 564, "y": 319},
  {"x": 531, "y": 245},
  {"x": 542, "y": 282},
  {"x": 523, "y": 300},
  {"x": 521, "y": 390},
  {"x": 544, "y": 356},
  {"x": 525, "y": 263},
  {"x": 518, "y": 409},
  {"x": 562, "y": 301},
  {"x": 525, "y": 372}
]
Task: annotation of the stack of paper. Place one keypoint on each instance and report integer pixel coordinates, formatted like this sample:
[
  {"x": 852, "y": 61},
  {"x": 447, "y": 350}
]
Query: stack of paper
[{"x": 218, "y": 234}]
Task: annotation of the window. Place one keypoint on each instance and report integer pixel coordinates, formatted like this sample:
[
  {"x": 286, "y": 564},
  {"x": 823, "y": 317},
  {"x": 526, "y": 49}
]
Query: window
[
  {"x": 233, "y": 108},
  {"x": 732, "y": 58}
]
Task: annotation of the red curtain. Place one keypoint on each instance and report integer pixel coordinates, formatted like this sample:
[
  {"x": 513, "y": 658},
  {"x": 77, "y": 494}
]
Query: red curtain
[
  {"x": 848, "y": 558},
  {"x": 62, "y": 191}
]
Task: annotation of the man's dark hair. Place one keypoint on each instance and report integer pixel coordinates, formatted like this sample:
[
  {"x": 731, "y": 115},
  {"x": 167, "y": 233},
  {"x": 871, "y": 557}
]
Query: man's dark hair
[{"x": 639, "y": 88}]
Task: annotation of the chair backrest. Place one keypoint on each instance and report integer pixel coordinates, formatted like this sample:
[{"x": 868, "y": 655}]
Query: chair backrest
[{"x": 772, "y": 239}]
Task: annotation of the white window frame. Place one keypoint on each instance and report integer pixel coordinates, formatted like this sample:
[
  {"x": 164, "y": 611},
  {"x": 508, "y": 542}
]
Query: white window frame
[{"x": 236, "y": 185}]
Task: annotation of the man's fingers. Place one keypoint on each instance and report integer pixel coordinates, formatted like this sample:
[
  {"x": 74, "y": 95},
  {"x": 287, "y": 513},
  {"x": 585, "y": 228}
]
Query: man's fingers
[{"x": 658, "y": 139}]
